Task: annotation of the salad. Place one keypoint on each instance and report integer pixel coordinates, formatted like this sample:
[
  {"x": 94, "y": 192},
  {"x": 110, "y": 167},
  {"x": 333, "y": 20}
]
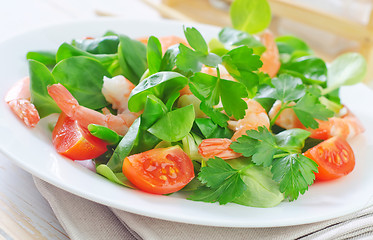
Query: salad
[{"x": 243, "y": 118}]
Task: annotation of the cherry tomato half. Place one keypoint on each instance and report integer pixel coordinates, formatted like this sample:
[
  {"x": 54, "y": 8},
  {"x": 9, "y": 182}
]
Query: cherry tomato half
[
  {"x": 160, "y": 170},
  {"x": 334, "y": 156},
  {"x": 75, "y": 142}
]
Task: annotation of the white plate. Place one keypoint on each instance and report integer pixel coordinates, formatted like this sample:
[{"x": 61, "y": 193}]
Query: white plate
[{"x": 33, "y": 151}]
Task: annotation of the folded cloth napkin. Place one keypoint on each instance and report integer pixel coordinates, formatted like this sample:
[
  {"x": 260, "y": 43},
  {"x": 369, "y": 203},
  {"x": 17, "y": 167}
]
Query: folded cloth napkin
[{"x": 84, "y": 219}]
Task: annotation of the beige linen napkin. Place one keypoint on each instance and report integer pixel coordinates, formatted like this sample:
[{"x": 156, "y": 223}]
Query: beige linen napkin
[{"x": 84, "y": 219}]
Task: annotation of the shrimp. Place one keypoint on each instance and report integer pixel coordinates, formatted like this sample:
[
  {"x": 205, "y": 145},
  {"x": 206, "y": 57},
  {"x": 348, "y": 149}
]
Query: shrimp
[
  {"x": 345, "y": 127},
  {"x": 255, "y": 116},
  {"x": 112, "y": 91},
  {"x": 271, "y": 57},
  {"x": 18, "y": 99},
  {"x": 166, "y": 42}
]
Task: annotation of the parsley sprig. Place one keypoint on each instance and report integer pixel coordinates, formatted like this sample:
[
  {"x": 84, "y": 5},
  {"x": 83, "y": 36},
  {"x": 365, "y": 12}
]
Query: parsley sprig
[
  {"x": 289, "y": 89},
  {"x": 211, "y": 90},
  {"x": 282, "y": 152},
  {"x": 222, "y": 182},
  {"x": 192, "y": 60}
]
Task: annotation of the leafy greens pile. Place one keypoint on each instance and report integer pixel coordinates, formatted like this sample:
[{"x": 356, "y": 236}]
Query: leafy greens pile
[{"x": 272, "y": 167}]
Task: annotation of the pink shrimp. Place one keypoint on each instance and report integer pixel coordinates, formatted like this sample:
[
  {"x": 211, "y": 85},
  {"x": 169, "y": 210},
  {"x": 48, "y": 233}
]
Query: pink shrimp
[
  {"x": 85, "y": 116},
  {"x": 271, "y": 57},
  {"x": 255, "y": 117},
  {"x": 18, "y": 99},
  {"x": 344, "y": 127},
  {"x": 166, "y": 41}
]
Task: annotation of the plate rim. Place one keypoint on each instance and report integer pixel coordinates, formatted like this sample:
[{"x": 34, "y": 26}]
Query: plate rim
[{"x": 89, "y": 196}]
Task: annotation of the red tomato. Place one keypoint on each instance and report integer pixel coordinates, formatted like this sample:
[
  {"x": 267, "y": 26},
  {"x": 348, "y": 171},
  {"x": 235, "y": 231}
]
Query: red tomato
[
  {"x": 334, "y": 157},
  {"x": 160, "y": 170},
  {"x": 74, "y": 142}
]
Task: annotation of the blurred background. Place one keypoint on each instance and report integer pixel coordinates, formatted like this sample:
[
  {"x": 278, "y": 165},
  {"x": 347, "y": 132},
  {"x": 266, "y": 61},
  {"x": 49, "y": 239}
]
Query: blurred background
[{"x": 330, "y": 27}]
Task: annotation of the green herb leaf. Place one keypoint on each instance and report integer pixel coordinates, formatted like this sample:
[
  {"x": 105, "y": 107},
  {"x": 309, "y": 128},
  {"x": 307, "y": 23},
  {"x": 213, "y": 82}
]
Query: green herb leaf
[
  {"x": 261, "y": 190},
  {"x": 233, "y": 37},
  {"x": 100, "y": 45},
  {"x": 293, "y": 139},
  {"x": 83, "y": 77},
  {"x": 240, "y": 63},
  {"x": 215, "y": 114},
  {"x": 289, "y": 44},
  {"x": 261, "y": 145},
  {"x": 132, "y": 58},
  {"x": 347, "y": 69},
  {"x": 309, "y": 108},
  {"x": 175, "y": 125},
  {"x": 196, "y": 40},
  {"x": 44, "y": 57},
  {"x": 250, "y": 16},
  {"x": 162, "y": 85},
  {"x": 154, "y": 55},
  {"x": 210, "y": 129},
  {"x": 223, "y": 181},
  {"x": 210, "y": 90},
  {"x": 288, "y": 88},
  {"x": 295, "y": 173},
  {"x": 169, "y": 58},
  {"x": 290, "y": 168},
  {"x": 66, "y": 51},
  {"x": 40, "y": 78},
  {"x": 118, "y": 178},
  {"x": 124, "y": 147},
  {"x": 189, "y": 60},
  {"x": 312, "y": 70}
]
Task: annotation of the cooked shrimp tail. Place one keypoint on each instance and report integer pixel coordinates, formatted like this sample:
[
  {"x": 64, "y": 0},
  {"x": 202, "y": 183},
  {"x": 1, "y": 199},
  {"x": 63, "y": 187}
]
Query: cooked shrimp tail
[
  {"x": 85, "y": 116},
  {"x": 217, "y": 147},
  {"x": 271, "y": 57},
  {"x": 346, "y": 127},
  {"x": 255, "y": 116},
  {"x": 18, "y": 99}
]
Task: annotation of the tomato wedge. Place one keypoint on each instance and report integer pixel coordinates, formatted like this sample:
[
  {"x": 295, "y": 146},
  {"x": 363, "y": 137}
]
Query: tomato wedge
[
  {"x": 160, "y": 170},
  {"x": 75, "y": 142},
  {"x": 334, "y": 156}
]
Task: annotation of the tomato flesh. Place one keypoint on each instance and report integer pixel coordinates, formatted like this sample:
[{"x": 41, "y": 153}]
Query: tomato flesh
[
  {"x": 335, "y": 158},
  {"x": 160, "y": 170},
  {"x": 75, "y": 142}
]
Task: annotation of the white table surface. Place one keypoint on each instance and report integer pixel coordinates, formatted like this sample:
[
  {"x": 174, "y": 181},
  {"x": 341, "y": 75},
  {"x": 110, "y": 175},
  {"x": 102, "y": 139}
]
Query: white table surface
[{"x": 24, "y": 213}]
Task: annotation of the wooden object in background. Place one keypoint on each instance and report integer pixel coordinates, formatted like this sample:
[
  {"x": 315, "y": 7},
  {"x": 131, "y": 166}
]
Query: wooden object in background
[{"x": 202, "y": 11}]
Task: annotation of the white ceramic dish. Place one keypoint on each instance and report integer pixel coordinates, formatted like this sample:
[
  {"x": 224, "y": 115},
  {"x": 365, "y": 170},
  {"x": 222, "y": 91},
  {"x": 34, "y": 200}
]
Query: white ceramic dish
[{"x": 32, "y": 150}]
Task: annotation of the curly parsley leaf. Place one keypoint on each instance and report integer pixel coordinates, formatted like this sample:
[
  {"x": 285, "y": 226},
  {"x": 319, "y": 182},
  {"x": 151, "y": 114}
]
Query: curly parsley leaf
[
  {"x": 223, "y": 183},
  {"x": 241, "y": 64},
  {"x": 189, "y": 60},
  {"x": 308, "y": 108},
  {"x": 288, "y": 88},
  {"x": 295, "y": 173},
  {"x": 233, "y": 37},
  {"x": 261, "y": 145},
  {"x": 211, "y": 90},
  {"x": 290, "y": 168},
  {"x": 196, "y": 40},
  {"x": 215, "y": 114}
]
